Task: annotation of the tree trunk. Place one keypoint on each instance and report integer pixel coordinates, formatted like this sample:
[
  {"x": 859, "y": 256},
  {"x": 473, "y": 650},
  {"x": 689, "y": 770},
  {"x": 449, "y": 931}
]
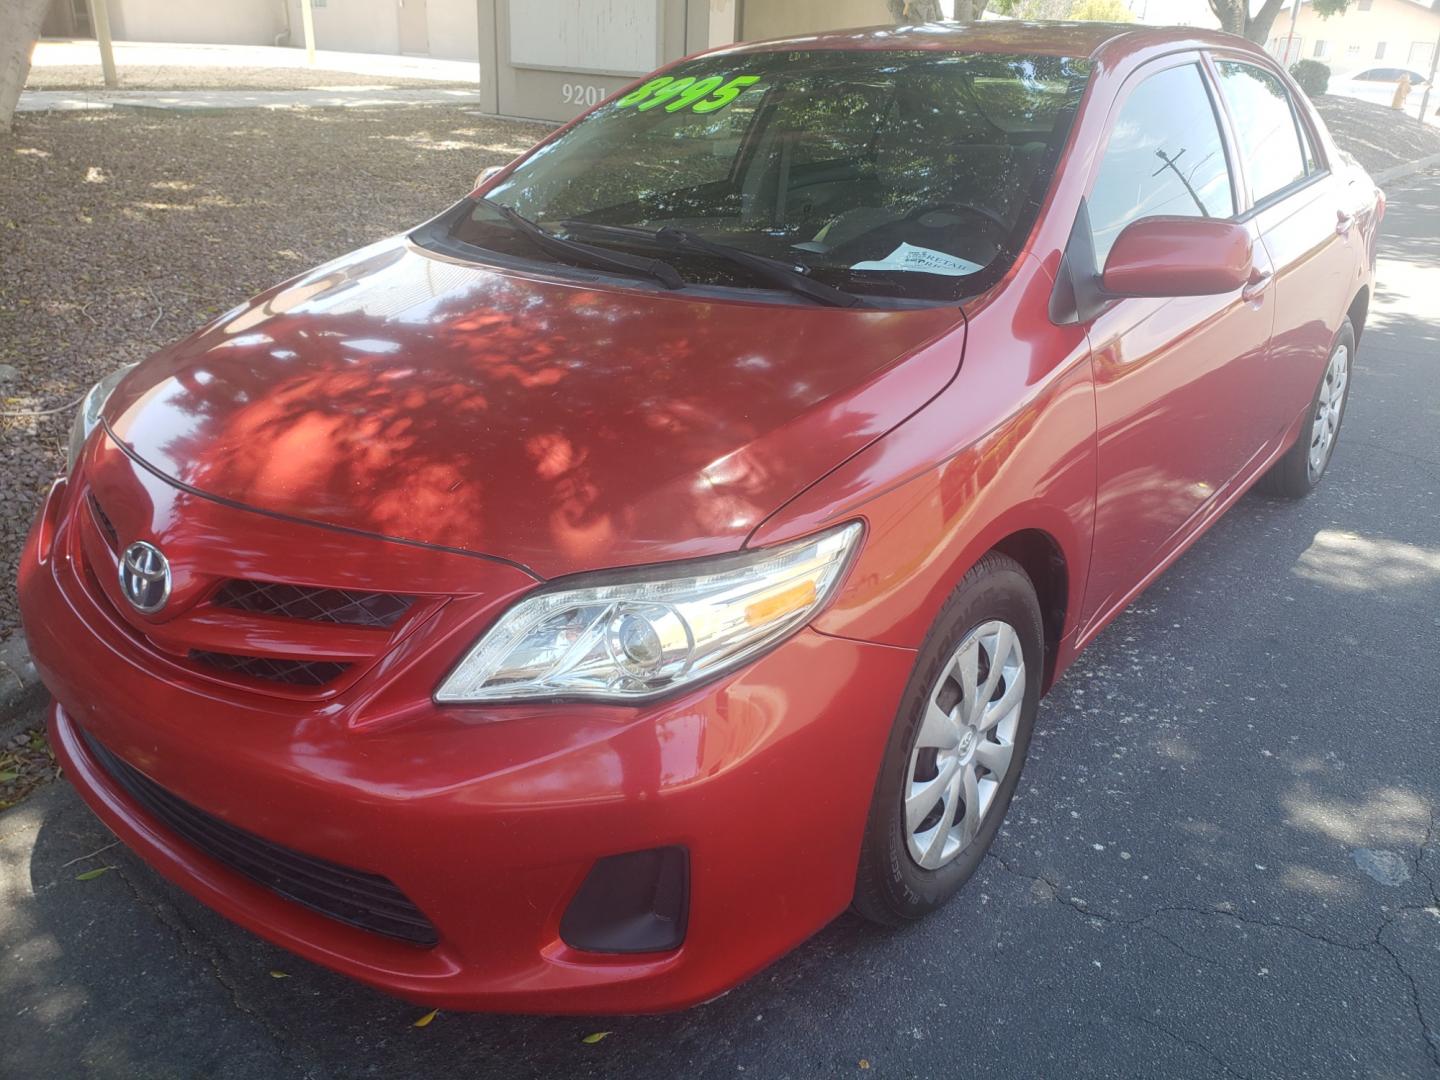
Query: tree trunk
[
  {"x": 911, "y": 12},
  {"x": 1232, "y": 15},
  {"x": 969, "y": 10},
  {"x": 1235, "y": 18},
  {"x": 19, "y": 27},
  {"x": 1257, "y": 26}
]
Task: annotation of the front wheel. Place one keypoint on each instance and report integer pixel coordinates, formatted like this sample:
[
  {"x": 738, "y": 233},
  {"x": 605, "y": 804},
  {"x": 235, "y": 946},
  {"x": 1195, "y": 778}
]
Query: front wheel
[
  {"x": 1295, "y": 475},
  {"x": 957, "y": 747}
]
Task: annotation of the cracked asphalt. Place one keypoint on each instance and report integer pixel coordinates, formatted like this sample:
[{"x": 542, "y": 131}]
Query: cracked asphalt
[{"x": 1224, "y": 859}]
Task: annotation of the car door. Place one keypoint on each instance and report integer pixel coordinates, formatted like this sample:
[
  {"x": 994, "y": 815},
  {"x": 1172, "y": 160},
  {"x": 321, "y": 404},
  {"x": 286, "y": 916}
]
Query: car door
[
  {"x": 1307, "y": 222},
  {"x": 1176, "y": 378}
]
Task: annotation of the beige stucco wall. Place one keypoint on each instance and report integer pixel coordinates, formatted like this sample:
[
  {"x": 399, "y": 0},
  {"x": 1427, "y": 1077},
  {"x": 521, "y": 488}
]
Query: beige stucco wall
[
  {"x": 1351, "y": 40},
  {"x": 782, "y": 18},
  {"x": 208, "y": 22},
  {"x": 454, "y": 29},
  {"x": 345, "y": 25},
  {"x": 371, "y": 26}
]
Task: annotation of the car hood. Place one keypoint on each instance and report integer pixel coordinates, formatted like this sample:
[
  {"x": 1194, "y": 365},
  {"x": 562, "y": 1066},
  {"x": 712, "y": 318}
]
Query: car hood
[{"x": 561, "y": 425}]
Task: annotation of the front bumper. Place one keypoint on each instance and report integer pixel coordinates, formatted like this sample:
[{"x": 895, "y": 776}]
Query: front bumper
[{"x": 764, "y": 777}]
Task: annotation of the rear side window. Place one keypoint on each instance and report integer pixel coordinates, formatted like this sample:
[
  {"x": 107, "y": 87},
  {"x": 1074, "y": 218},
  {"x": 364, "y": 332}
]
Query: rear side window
[
  {"x": 1265, "y": 127},
  {"x": 1165, "y": 158}
]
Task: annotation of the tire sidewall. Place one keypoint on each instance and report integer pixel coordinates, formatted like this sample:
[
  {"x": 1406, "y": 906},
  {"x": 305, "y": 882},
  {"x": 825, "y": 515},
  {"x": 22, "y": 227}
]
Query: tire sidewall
[
  {"x": 1005, "y": 594},
  {"x": 1345, "y": 336}
]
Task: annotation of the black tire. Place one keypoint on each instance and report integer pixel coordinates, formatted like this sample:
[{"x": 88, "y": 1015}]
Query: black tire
[
  {"x": 1294, "y": 476},
  {"x": 891, "y": 887}
]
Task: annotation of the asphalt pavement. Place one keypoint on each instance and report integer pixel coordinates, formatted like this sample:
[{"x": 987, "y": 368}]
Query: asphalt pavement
[{"x": 1223, "y": 861}]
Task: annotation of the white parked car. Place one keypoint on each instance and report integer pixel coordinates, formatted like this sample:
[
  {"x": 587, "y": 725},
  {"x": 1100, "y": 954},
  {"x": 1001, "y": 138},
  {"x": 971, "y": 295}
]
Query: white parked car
[{"x": 1377, "y": 85}]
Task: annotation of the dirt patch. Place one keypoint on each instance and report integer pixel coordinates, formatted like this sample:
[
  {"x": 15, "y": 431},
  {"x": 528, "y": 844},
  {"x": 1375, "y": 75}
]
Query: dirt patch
[
  {"x": 1377, "y": 136},
  {"x": 26, "y": 762},
  {"x": 121, "y": 231}
]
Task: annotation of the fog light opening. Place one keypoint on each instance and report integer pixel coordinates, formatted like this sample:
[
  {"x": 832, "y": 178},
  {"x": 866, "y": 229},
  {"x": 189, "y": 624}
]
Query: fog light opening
[{"x": 637, "y": 902}]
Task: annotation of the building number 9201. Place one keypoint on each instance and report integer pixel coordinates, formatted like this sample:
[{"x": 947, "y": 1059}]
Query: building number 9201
[{"x": 582, "y": 94}]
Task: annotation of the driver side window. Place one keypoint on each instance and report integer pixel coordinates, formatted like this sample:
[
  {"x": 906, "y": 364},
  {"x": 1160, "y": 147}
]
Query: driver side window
[{"x": 1165, "y": 158}]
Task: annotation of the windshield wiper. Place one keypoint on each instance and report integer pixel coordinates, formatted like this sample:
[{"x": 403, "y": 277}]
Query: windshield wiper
[
  {"x": 585, "y": 254},
  {"x": 792, "y": 276}
]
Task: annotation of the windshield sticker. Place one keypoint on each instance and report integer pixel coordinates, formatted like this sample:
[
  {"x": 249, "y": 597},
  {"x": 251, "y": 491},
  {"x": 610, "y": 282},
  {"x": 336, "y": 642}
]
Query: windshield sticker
[
  {"x": 924, "y": 260},
  {"x": 697, "y": 95}
]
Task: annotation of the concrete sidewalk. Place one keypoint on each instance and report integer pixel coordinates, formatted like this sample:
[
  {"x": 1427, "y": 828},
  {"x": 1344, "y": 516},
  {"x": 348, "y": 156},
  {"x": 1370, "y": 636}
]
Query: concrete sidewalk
[
  {"x": 206, "y": 100},
  {"x": 65, "y": 77},
  {"x": 140, "y": 58}
]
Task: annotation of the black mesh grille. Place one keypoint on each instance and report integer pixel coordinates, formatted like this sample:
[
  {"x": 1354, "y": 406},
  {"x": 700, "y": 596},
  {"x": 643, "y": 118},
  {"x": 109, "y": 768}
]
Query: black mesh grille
[
  {"x": 272, "y": 669},
  {"x": 315, "y": 604},
  {"x": 107, "y": 527},
  {"x": 361, "y": 899}
]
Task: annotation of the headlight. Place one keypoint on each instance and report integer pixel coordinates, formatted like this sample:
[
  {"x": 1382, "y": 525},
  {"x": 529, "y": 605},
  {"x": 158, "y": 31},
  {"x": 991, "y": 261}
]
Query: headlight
[
  {"x": 636, "y": 634},
  {"x": 89, "y": 414}
]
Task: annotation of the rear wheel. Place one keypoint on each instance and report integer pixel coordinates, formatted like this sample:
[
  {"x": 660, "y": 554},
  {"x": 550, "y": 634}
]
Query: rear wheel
[
  {"x": 957, "y": 747},
  {"x": 1295, "y": 475}
]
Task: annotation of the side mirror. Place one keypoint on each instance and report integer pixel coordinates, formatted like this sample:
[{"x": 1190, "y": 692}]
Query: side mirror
[
  {"x": 1178, "y": 256},
  {"x": 486, "y": 175}
]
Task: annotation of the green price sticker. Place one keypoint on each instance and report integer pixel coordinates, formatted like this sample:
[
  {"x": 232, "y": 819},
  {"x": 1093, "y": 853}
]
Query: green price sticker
[{"x": 688, "y": 92}]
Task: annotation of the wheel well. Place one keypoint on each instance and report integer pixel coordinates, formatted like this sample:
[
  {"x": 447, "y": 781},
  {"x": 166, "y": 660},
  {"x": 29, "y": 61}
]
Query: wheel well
[
  {"x": 1044, "y": 563},
  {"x": 1359, "y": 308}
]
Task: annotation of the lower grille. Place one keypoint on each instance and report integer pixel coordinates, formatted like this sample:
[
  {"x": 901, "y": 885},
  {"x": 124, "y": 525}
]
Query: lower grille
[
  {"x": 367, "y": 901},
  {"x": 271, "y": 669}
]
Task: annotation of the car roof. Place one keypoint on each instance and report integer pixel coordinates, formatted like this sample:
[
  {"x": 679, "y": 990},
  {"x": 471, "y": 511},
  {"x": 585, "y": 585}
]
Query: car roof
[{"x": 1093, "y": 40}]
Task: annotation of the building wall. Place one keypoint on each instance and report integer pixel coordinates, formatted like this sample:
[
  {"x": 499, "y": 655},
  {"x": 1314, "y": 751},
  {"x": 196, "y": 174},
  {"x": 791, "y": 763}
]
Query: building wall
[
  {"x": 542, "y": 74},
  {"x": 762, "y": 19},
  {"x": 227, "y": 22},
  {"x": 370, "y": 26},
  {"x": 454, "y": 29},
  {"x": 373, "y": 26},
  {"x": 61, "y": 21},
  {"x": 603, "y": 44},
  {"x": 1389, "y": 33}
]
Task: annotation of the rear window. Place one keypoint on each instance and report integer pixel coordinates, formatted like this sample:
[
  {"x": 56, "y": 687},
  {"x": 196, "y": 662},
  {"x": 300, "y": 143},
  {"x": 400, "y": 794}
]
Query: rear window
[{"x": 892, "y": 174}]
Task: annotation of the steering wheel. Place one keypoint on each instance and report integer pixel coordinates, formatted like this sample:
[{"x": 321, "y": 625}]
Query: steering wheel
[{"x": 968, "y": 208}]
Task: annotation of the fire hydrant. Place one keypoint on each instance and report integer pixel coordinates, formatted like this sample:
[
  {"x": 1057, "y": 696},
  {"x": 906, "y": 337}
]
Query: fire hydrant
[{"x": 1402, "y": 91}]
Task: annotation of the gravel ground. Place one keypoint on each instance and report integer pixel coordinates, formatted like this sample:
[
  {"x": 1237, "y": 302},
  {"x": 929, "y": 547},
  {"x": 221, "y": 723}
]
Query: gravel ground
[
  {"x": 123, "y": 231},
  {"x": 167, "y": 77},
  {"x": 26, "y": 762},
  {"x": 1377, "y": 136}
]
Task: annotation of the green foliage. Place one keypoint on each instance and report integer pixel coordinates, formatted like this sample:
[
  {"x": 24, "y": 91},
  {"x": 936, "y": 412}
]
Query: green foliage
[
  {"x": 1326, "y": 8},
  {"x": 1112, "y": 11},
  {"x": 1313, "y": 77}
]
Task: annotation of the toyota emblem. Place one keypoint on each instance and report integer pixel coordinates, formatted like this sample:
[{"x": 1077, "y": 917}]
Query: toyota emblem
[{"x": 145, "y": 577}]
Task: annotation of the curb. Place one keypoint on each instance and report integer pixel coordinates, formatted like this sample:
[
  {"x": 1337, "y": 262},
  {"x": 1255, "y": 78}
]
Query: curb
[
  {"x": 1410, "y": 168},
  {"x": 20, "y": 686}
]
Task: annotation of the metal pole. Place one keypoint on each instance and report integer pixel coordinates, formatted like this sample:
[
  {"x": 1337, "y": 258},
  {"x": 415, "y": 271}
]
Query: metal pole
[
  {"x": 1290, "y": 41},
  {"x": 100, "y": 20},
  {"x": 1434, "y": 65},
  {"x": 307, "y": 20}
]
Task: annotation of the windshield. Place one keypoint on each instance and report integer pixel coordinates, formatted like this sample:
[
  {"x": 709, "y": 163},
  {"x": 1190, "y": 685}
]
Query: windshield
[{"x": 907, "y": 175}]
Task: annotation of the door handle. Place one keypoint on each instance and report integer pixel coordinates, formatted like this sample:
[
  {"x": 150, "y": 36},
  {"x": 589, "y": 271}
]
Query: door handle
[
  {"x": 1343, "y": 222},
  {"x": 1259, "y": 281}
]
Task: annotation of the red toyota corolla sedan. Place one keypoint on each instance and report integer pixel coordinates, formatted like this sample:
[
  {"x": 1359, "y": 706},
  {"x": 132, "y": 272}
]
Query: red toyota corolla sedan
[{"x": 573, "y": 604}]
